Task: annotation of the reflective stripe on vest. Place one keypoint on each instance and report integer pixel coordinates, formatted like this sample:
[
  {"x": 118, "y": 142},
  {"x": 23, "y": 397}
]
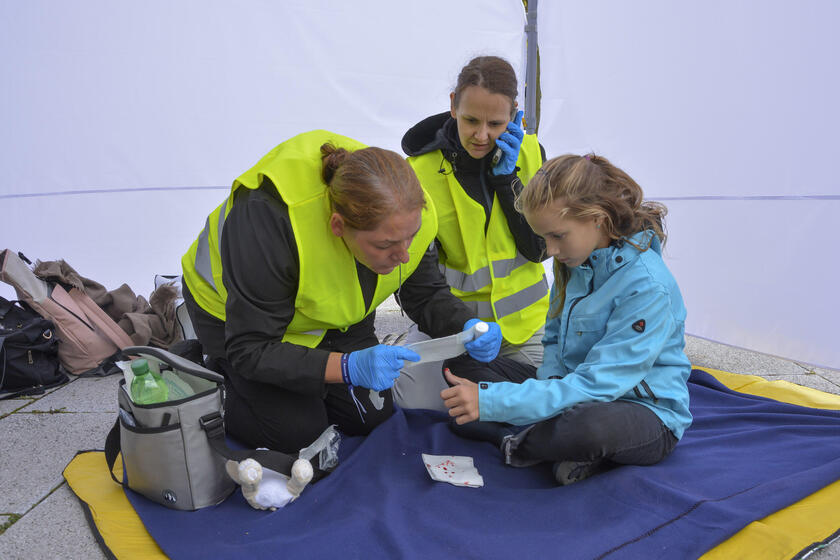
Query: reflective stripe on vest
[
  {"x": 310, "y": 339},
  {"x": 202, "y": 254},
  {"x": 522, "y": 299},
  {"x": 481, "y": 277},
  {"x": 510, "y": 304}
]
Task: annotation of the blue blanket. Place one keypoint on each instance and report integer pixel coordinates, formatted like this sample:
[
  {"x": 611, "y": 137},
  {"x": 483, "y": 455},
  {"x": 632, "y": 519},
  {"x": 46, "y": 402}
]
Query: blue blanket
[{"x": 744, "y": 458}]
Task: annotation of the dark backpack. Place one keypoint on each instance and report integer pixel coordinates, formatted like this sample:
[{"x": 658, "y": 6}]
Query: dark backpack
[{"x": 29, "y": 361}]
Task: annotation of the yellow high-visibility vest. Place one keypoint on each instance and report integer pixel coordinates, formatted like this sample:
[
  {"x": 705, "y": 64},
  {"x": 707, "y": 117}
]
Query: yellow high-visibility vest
[
  {"x": 328, "y": 295},
  {"x": 485, "y": 270}
]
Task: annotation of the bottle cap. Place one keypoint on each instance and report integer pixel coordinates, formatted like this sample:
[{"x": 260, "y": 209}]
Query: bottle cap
[{"x": 140, "y": 366}]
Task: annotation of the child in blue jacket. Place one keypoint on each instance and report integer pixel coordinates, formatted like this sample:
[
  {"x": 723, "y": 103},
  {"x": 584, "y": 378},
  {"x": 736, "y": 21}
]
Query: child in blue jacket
[{"x": 612, "y": 386}]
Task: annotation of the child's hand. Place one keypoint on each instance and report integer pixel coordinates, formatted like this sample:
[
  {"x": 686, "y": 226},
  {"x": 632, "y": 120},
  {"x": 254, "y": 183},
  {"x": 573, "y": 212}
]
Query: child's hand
[{"x": 461, "y": 399}]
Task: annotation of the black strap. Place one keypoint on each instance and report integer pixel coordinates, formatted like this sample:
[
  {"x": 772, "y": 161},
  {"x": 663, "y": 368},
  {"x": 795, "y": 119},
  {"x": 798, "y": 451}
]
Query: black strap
[
  {"x": 112, "y": 449},
  {"x": 214, "y": 427}
]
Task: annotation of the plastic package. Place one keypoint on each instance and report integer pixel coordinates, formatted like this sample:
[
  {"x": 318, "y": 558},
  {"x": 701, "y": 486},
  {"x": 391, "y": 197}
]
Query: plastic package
[
  {"x": 326, "y": 447},
  {"x": 438, "y": 349},
  {"x": 178, "y": 388}
]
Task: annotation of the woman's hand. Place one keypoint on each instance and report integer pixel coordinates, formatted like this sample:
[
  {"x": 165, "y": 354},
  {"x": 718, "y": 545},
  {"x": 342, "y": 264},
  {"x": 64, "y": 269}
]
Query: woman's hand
[
  {"x": 379, "y": 366},
  {"x": 461, "y": 399},
  {"x": 510, "y": 142},
  {"x": 486, "y": 346}
]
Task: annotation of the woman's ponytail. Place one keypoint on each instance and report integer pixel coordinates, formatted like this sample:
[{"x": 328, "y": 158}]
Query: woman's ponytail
[{"x": 331, "y": 158}]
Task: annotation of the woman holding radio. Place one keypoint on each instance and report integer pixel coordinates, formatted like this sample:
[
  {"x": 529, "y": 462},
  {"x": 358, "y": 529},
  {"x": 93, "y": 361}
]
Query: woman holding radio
[{"x": 473, "y": 160}]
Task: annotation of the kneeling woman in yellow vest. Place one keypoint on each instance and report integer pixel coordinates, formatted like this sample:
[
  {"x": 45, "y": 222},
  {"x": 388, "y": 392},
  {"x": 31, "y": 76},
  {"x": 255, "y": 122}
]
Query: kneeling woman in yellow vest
[
  {"x": 283, "y": 282},
  {"x": 473, "y": 160}
]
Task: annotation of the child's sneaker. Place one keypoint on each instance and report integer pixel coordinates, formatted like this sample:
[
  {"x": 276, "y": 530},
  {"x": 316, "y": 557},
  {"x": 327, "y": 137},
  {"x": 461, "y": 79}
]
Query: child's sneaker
[{"x": 568, "y": 472}]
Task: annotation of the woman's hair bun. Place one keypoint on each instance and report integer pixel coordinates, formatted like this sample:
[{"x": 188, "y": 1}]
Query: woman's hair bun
[{"x": 332, "y": 158}]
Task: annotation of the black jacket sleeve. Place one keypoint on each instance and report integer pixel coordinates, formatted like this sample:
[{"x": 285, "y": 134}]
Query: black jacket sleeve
[{"x": 260, "y": 272}]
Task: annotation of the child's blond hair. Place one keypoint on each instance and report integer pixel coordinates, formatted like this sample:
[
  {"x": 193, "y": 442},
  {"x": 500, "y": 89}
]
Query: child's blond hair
[{"x": 591, "y": 187}]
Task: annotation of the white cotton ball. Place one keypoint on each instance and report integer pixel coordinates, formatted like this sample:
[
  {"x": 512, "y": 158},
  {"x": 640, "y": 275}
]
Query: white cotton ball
[{"x": 272, "y": 492}]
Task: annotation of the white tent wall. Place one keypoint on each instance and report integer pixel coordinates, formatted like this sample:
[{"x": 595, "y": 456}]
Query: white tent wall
[
  {"x": 727, "y": 112},
  {"x": 124, "y": 123}
]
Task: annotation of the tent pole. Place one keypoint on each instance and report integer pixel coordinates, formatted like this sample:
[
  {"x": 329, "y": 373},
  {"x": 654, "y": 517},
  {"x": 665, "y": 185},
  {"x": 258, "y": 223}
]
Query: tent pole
[{"x": 531, "y": 86}]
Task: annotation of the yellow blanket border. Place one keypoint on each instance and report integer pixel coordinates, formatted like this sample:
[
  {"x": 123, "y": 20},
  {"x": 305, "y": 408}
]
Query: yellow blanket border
[
  {"x": 781, "y": 535},
  {"x": 113, "y": 520},
  {"x": 799, "y": 526}
]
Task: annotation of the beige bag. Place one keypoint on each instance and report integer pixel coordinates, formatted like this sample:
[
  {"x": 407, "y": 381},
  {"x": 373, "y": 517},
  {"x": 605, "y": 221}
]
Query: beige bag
[{"x": 87, "y": 336}]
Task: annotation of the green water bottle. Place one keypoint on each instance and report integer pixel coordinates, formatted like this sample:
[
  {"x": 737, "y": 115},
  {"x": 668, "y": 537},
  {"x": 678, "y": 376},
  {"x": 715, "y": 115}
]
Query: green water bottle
[{"x": 146, "y": 387}]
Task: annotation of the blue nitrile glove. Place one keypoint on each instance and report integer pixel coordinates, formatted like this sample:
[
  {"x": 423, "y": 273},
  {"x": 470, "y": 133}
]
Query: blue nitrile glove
[
  {"x": 485, "y": 347},
  {"x": 379, "y": 366},
  {"x": 510, "y": 142}
]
